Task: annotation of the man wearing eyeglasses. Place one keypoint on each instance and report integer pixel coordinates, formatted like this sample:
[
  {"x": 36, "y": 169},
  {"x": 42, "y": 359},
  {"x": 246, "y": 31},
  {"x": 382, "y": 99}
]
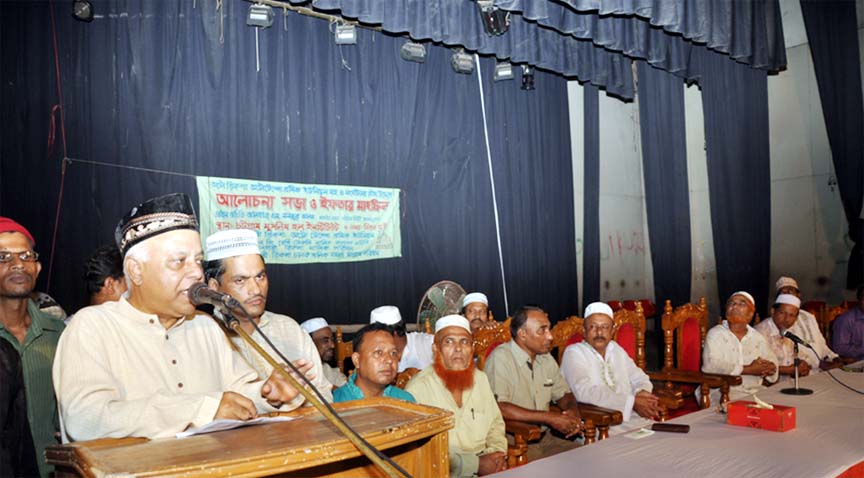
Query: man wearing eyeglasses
[{"x": 33, "y": 333}]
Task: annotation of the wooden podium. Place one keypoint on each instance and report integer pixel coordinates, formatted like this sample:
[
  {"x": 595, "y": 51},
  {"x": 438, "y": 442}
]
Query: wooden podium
[{"x": 415, "y": 436}]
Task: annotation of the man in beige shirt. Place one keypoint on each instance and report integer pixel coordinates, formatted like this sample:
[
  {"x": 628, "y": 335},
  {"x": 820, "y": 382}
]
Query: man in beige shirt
[
  {"x": 236, "y": 267},
  {"x": 149, "y": 365},
  {"x": 526, "y": 379},
  {"x": 477, "y": 442},
  {"x": 322, "y": 336}
]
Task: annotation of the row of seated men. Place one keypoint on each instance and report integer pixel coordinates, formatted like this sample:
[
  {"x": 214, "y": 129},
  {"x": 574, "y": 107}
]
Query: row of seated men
[{"x": 149, "y": 364}]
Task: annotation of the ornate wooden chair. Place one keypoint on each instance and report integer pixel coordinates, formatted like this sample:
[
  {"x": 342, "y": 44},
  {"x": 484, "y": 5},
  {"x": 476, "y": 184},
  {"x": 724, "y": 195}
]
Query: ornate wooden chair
[
  {"x": 830, "y": 314},
  {"x": 684, "y": 330},
  {"x": 648, "y": 307},
  {"x": 487, "y": 338},
  {"x": 615, "y": 305},
  {"x": 343, "y": 351}
]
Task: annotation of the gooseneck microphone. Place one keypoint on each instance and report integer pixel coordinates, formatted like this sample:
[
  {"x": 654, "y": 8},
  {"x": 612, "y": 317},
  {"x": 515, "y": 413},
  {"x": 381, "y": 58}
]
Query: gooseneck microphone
[
  {"x": 797, "y": 390},
  {"x": 200, "y": 294}
]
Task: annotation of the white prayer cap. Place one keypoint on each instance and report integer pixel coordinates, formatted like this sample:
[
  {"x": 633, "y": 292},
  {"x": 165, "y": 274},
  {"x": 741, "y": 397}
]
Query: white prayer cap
[
  {"x": 784, "y": 281},
  {"x": 599, "y": 308},
  {"x": 453, "y": 320},
  {"x": 475, "y": 297},
  {"x": 746, "y": 295},
  {"x": 386, "y": 314},
  {"x": 314, "y": 325},
  {"x": 231, "y": 243},
  {"x": 788, "y": 299}
]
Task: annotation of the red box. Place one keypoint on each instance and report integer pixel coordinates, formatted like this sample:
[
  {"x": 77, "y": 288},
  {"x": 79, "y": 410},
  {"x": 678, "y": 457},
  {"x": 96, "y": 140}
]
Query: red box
[{"x": 744, "y": 414}]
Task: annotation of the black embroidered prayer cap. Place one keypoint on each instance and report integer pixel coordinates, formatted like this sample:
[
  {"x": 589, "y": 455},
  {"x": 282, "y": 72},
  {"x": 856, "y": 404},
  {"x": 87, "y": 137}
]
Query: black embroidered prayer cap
[{"x": 153, "y": 217}]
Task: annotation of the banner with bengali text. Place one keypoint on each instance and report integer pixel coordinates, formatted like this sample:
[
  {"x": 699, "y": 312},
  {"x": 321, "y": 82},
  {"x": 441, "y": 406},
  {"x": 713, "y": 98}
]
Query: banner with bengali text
[{"x": 304, "y": 223}]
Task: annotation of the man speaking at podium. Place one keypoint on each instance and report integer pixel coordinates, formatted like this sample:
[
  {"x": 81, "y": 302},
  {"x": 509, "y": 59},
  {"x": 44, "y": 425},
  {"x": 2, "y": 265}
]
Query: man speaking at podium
[{"x": 150, "y": 365}]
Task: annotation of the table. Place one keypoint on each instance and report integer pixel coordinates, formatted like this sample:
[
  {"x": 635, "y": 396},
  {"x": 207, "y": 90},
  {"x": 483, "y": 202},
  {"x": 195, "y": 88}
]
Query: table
[
  {"x": 828, "y": 439},
  {"x": 415, "y": 436}
]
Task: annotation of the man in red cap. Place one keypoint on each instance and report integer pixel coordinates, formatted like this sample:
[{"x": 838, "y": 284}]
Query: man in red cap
[{"x": 33, "y": 333}]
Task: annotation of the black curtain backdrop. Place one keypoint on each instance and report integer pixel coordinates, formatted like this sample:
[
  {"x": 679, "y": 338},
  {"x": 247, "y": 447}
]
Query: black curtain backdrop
[
  {"x": 591, "y": 221},
  {"x": 833, "y": 37},
  {"x": 735, "y": 106},
  {"x": 149, "y": 85},
  {"x": 664, "y": 166}
]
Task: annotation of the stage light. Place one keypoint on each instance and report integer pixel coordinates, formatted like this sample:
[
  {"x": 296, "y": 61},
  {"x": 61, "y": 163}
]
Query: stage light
[
  {"x": 527, "y": 77},
  {"x": 411, "y": 51},
  {"x": 495, "y": 21},
  {"x": 462, "y": 62},
  {"x": 345, "y": 34},
  {"x": 82, "y": 10},
  {"x": 503, "y": 71},
  {"x": 260, "y": 16}
]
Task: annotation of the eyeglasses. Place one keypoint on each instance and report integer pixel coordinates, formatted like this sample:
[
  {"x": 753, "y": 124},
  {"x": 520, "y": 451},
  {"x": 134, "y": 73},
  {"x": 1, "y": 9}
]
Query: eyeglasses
[{"x": 25, "y": 256}]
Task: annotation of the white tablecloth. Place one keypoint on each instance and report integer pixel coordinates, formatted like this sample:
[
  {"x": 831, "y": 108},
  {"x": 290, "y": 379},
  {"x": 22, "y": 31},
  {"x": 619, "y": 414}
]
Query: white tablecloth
[{"x": 828, "y": 439}]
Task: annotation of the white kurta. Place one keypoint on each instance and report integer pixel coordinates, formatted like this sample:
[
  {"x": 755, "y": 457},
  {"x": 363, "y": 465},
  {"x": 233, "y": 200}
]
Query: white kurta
[
  {"x": 725, "y": 354},
  {"x": 806, "y": 328},
  {"x": 119, "y": 373},
  {"x": 418, "y": 351},
  {"x": 334, "y": 376},
  {"x": 291, "y": 340},
  {"x": 610, "y": 382}
]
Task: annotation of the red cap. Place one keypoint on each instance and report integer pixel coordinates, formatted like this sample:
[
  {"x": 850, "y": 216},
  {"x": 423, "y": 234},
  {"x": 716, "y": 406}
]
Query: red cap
[{"x": 8, "y": 225}]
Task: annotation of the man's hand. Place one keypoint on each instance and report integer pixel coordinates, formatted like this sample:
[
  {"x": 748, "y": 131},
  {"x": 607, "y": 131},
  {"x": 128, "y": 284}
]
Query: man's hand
[
  {"x": 234, "y": 406},
  {"x": 278, "y": 390},
  {"x": 567, "y": 423},
  {"x": 492, "y": 463},
  {"x": 760, "y": 367},
  {"x": 647, "y": 405},
  {"x": 830, "y": 364},
  {"x": 803, "y": 368}
]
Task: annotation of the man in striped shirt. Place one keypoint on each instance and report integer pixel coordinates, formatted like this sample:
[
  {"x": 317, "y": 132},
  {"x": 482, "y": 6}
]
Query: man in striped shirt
[{"x": 30, "y": 331}]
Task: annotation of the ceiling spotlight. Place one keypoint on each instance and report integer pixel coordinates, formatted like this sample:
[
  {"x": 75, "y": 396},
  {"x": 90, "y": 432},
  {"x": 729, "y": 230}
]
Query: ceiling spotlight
[
  {"x": 503, "y": 71},
  {"x": 345, "y": 34},
  {"x": 411, "y": 51},
  {"x": 527, "y": 77},
  {"x": 260, "y": 16},
  {"x": 495, "y": 21},
  {"x": 462, "y": 62},
  {"x": 82, "y": 10}
]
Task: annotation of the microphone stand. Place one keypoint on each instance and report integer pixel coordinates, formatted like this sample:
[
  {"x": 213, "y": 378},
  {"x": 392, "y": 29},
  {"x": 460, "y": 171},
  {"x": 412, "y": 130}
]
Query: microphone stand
[
  {"x": 796, "y": 390},
  {"x": 391, "y": 471}
]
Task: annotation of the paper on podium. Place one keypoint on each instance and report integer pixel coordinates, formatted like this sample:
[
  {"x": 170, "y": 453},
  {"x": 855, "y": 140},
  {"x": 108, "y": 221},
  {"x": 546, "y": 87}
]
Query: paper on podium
[{"x": 225, "y": 424}]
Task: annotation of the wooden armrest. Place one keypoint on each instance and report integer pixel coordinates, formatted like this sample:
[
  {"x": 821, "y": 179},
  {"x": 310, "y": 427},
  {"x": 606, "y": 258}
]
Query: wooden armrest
[
  {"x": 527, "y": 431},
  {"x": 600, "y": 416},
  {"x": 730, "y": 380}
]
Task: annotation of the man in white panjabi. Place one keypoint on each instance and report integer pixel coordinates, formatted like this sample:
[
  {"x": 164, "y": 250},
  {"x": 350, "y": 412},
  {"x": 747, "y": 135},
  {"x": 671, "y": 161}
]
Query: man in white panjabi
[
  {"x": 806, "y": 327},
  {"x": 415, "y": 348},
  {"x": 785, "y": 314},
  {"x": 601, "y": 373},
  {"x": 236, "y": 267},
  {"x": 734, "y": 348},
  {"x": 322, "y": 336},
  {"x": 150, "y": 365}
]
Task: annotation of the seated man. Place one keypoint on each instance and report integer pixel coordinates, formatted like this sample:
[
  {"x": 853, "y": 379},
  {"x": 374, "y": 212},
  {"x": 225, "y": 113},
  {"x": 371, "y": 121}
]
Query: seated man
[
  {"x": 375, "y": 357},
  {"x": 475, "y": 308},
  {"x": 415, "y": 349},
  {"x": 806, "y": 327},
  {"x": 785, "y": 314},
  {"x": 149, "y": 365},
  {"x": 526, "y": 379},
  {"x": 734, "y": 348},
  {"x": 847, "y": 333},
  {"x": 236, "y": 267},
  {"x": 322, "y": 336},
  {"x": 601, "y": 373},
  {"x": 477, "y": 442}
]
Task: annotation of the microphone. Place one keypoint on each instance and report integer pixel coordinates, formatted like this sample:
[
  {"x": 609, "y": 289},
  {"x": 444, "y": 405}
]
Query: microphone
[
  {"x": 797, "y": 340},
  {"x": 200, "y": 294}
]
